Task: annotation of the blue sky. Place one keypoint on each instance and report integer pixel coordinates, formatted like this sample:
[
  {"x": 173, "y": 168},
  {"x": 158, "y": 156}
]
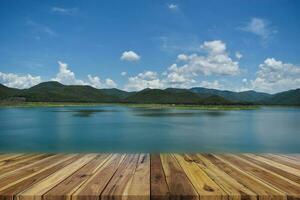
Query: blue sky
[{"x": 235, "y": 45}]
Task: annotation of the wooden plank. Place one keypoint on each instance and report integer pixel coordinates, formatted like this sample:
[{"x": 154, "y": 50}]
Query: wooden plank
[
  {"x": 283, "y": 160},
  {"x": 140, "y": 185},
  {"x": 234, "y": 189},
  {"x": 14, "y": 160},
  {"x": 159, "y": 186},
  {"x": 204, "y": 185},
  {"x": 295, "y": 157},
  {"x": 282, "y": 170},
  {"x": 10, "y": 192},
  {"x": 22, "y": 163},
  {"x": 9, "y": 156},
  {"x": 291, "y": 188},
  {"x": 18, "y": 175},
  {"x": 119, "y": 185},
  {"x": 179, "y": 185},
  {"x": 66, "y": 188},
  {"x": 36, "y": 191},
  {"x": 92, "y": 188},
  {"x": 263, "y": 190}
]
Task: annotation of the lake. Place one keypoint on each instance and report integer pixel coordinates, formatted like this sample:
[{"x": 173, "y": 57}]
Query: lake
[{"x": 127, "y": 129}]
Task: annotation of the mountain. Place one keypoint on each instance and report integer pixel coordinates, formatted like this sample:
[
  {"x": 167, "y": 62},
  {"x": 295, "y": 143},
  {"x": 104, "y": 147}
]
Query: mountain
[
  {"x": 56, "y": 92},
  {"x": 6, "y": 92},
  {"x": 163, "y": 96},
  {"x": 291, "y": 97},
  {"x": 117, "y": 93},
  {"x": 172, "y": 96},
  {"x": 246, "y": 96}
]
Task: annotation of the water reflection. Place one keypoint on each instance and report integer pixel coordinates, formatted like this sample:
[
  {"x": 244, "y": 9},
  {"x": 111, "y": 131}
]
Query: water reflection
[
  {"x": 123, "y": 129},
  {"x": 166, "y": 113},
  {"x": 85, "y": 112}
]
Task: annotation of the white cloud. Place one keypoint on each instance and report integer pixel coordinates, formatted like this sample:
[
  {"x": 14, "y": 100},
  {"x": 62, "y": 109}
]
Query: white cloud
[
  {"x": 66, "y": 76},
  {"x": 260, "y": 27},
  {"x": 173, "y": 6},
  {"x": 19, "y": 81},
  {"x": 276, "y": 76},
  {"x": 64, "y": 11},
  {"x": 214, "y": 47},
  {"x": 213, "y": 84},
  {"x": 130, "y": 56},
  {"x": 95, "y": 81},
  {"x": 238, "y": 55},
  {"x": 123, "y": 73},
  {"x": 147, "y": 79},
  {"x": 216, "y": 62},
  {"x": 182, "y": 57},
  {"x": 109, "y": 83}
]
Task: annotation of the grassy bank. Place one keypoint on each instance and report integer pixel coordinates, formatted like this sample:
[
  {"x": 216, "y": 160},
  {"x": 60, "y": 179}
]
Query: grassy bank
[{"x": 149, "y": 106}]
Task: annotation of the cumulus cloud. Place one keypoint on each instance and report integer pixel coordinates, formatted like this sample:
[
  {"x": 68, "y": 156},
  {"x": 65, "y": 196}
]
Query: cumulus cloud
[
  {"x": 276, "y": 76},
  {"x": 215, "y": 62},
  {"x": 173, "y": 6},
  {"x": 182, "y": 57},
  {"x": 66, "y": 76},
  {"x": 123, "y": 73},
  {"x": 19, "y": 81},
  {"x": 238, "y": 55},
  {"x": 130, "y": 56},
  {"x": 148, "y": 79},
  {"x": 109, "y": 83},
  {"x": 64, "y": 11},
  {"x": 260, "y": 27},
  {"x": 211, "y": 84}
]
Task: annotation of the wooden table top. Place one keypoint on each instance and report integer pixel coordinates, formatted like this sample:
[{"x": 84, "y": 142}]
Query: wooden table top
[{"x": 149, "y": 176}]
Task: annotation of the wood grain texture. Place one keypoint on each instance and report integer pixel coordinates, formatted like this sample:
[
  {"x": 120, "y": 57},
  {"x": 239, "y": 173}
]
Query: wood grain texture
[
  {"x": 36, "y": 191},
  {"x": 118, "y": 186},
  {"x": 149, "y": 176},
  {"x": 291, "y": 188},
  {"x": 278, "y": 168},
  {"x": 10, "y": 192},
  {"x": 234, "y": 189},
  {"x": 4, "y": 157},
  {"x": 159, "y": 186},
  {"x": 204, "y": 185},
  {"x": 283, "y": 160},
  {"x": 24, "y": 162},
  {"x": 66, "y": 188},
  {"x": 179, "y": 185},
  {"x": 140, "y": 186},
  {"x": 263, "y": 190},
  {"x": 93, "y": 188}
]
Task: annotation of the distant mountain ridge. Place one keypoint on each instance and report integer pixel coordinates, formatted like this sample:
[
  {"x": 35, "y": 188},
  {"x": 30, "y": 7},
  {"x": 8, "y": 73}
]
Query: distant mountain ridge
[{"x": 56, "y": 92}]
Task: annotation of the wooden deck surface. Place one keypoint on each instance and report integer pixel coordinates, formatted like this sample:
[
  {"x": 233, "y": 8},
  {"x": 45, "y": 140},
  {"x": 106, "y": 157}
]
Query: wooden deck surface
[{"x": 145, "y": 176}]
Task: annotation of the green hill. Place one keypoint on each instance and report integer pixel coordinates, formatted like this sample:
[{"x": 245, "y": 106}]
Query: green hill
[
  {"x": 56, "y": 92},
  {"x": 246, "y": 96},
  {"x": 6, "y": 92},
  {"x": 117, "y": 93},
  {"x": 172, "y": 96},
  {"x": 291, "y": 97}
]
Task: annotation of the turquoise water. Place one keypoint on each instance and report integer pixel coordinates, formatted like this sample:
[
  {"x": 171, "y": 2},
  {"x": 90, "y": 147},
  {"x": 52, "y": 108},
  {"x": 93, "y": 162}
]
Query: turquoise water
[{"x": 125, "y": 129}]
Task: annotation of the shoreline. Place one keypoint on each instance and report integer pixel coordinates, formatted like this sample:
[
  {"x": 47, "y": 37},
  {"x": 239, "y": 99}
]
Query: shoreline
[{"x": 134, "y": 105}]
